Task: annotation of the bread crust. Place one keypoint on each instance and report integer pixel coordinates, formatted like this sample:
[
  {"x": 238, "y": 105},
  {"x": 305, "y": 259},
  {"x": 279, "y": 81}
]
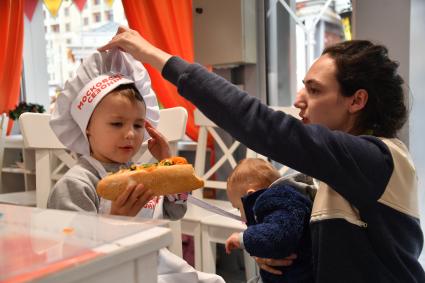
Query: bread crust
[{"x": 162, "y": 180}]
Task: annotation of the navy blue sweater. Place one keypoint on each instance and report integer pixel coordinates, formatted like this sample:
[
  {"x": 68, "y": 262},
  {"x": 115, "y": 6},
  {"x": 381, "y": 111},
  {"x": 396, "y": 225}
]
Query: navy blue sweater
[
  {"x": 357, "y": 168},
  {"x": 277, "y": 220}
]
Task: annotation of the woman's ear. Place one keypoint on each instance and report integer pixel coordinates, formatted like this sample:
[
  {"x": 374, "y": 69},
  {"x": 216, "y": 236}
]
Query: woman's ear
[{"x": 358, "y": 101}]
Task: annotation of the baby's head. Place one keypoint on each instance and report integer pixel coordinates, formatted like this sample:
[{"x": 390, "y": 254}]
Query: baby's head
[
  {"x": 250, "y": 175},
  {"x": 102, "y": 110}
]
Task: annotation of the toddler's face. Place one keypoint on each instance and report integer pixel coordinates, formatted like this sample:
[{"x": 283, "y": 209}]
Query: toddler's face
[{"x": 116, "y": 128}]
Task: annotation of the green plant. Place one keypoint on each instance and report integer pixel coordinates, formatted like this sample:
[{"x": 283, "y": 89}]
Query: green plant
[{"x": 25, "y": 107}]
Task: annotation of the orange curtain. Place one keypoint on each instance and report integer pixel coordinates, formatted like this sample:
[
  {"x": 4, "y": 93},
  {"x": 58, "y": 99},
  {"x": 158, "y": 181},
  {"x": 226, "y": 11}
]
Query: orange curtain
[
  {"x": 167, "y": 24},
  {"x": 11, "y": 44}
]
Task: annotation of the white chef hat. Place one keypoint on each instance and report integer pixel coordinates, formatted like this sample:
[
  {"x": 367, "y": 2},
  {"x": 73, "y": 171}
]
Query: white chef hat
[{"x": 98, "y": 75}]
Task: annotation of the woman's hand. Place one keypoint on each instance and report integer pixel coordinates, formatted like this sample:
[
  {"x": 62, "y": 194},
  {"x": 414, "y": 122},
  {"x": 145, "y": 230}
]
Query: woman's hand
[
  {"x": 232, "y": 243},
  {"x": 132, "y": 42},
  {"x": 267, "y": 264},
  {"x": 158, "y": 144},
  {"x": 131, "y": 201}
]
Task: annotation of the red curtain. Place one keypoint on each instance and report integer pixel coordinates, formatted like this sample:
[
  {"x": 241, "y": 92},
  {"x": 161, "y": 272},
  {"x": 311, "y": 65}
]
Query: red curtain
[
  {"x": 167, "y": 24},
  {"x": 11, "y": 44}
]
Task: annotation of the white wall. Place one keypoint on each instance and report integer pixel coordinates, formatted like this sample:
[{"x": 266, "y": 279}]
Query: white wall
[
  {"x": 35, "y": 63},
  {"x": 400, "y": 26},
  {"x": 386, "y": 22},
  {"x": 417, "y": 88}
]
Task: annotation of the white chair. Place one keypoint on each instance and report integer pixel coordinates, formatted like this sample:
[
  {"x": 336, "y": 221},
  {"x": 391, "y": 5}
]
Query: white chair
[
  {"x": 172, "y": 124},
  {"x": 206, "y": 227},
  {"x": 26, "y": 197},
  {"x": 209, "y": 229},
  {"x": 51, "y": 156}
]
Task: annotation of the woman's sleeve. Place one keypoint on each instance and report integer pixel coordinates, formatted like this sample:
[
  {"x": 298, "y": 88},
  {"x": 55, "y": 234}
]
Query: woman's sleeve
[{"x": 357, "y": 167}]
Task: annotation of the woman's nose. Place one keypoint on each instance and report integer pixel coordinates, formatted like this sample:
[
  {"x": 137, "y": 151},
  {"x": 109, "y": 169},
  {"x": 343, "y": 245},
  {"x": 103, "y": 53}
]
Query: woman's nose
[{"x": 300, "y": 100}]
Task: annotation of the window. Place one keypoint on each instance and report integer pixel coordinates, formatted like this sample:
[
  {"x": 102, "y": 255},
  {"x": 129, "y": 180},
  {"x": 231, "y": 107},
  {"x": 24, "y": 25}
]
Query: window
[
  {"x": 55, "y": 28},
  {"x": 295, "y": 39},
  {"x": 109, "y": 16},
  {"x": 71, "y": 40},
  {"x": 96, "y": 17},
  {"x": 66, "y": 11}
]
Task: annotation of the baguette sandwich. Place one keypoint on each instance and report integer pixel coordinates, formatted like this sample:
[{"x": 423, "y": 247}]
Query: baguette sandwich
[{"x": 169, "y": 176}]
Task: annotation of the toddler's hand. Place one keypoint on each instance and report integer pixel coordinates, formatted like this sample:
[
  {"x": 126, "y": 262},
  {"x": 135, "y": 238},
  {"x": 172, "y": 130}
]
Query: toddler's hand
[
  {"x": 158, "y": 144},
  {"x": 131, "y": 201},
  {"x": 232, "y": 243}
]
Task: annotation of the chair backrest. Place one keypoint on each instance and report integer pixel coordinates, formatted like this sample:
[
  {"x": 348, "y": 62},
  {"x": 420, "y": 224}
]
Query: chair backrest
[
  {"x": 172, "y": 124},
  {"x": 51, "y": 156},
  {"x": 206, "y": 127}
]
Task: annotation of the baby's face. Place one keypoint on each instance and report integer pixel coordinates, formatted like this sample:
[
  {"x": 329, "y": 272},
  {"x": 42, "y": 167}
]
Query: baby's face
[
  {"x": 116, "y": 129},
  {"x": 235, "y": 195}
]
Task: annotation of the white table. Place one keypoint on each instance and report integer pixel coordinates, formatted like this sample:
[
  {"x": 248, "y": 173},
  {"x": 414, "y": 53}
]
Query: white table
[{"x": 41, "y": 245}]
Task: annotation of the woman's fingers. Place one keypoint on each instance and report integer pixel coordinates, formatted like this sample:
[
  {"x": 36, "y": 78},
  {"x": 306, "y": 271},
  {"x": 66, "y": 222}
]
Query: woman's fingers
[
  {"x": 277, "y": 262},
  {"x": 114, "y": 42},
  {"x": 122, "y": 29},
  {"x": 267, "y": 264},
  {"x": 270, "y": 269}
]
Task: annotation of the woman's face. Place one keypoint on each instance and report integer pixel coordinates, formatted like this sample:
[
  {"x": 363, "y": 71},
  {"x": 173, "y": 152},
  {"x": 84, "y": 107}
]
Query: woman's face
[{"x": 321, "y": 101}]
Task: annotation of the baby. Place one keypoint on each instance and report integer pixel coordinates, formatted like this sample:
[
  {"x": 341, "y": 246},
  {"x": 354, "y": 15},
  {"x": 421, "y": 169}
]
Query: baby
[{"x": 277, "y": 213}]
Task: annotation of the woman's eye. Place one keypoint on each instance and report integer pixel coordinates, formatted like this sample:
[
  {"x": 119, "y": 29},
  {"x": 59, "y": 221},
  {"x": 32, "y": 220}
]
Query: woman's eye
[
  {"x": 138, "y": 126},
  {"x": 313, "y": 90}
]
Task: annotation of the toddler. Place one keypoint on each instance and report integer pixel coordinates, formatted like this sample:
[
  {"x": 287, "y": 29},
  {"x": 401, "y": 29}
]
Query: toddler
[{"x": 104, "y": 114}]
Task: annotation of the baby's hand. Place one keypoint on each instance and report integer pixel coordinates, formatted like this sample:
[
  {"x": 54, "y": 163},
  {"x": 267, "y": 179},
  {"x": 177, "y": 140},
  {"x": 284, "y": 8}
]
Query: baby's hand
[
  {"x": 158, "y": 144},
  {"x": 131, "y": 201},
  {"x": 232, "y": 243}
]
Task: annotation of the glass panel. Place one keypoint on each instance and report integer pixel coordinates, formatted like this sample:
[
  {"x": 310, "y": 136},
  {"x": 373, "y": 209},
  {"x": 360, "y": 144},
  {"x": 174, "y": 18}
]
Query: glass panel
[
  {"x": 73, "y": 35},
  {"x": 296, "y": 34}
]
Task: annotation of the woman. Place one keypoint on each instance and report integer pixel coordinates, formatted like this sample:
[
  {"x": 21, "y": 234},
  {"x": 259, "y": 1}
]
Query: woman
[{"x": 365, "y": 219}]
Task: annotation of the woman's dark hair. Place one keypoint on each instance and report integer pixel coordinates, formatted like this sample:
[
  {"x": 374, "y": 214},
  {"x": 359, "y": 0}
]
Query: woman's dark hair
[{"x": 363, "y": 65}]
